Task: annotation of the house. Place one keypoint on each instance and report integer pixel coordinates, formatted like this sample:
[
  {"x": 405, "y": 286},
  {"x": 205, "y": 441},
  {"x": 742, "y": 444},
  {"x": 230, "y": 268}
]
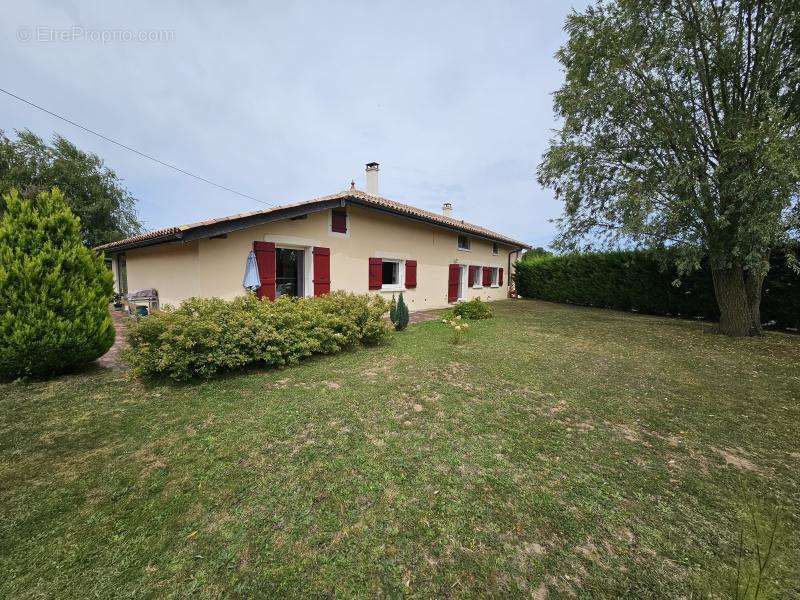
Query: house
[{"x": 355, "y": 241}]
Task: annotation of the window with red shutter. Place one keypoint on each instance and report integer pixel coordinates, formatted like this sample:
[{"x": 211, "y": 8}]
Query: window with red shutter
[
  {"x": 411, "y": 274},
  {"x": 452, "y": 282},
  {"x": 339, "y": 220},
  {"x": 375, "y": 273},
  {"x": 322, "y": 270},
  {"x": 487, "y": 276},
  {"x": 471, "y": 276},
  {"x": 265, "y": 259},
  {"x": 500, "y": 283}
]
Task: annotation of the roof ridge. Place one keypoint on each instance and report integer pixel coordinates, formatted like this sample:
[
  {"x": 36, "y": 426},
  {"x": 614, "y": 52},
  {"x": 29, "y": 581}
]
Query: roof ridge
[{"x": 351, "y": 193}]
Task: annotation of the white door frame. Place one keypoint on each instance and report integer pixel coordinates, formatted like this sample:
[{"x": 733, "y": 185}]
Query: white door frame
[{"x": 463, "y": 271}]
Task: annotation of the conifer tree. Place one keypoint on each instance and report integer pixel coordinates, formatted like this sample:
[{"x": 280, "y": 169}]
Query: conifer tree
[
  {"x": 400, "y": 318},
  {"x": 54, "y": 292}
]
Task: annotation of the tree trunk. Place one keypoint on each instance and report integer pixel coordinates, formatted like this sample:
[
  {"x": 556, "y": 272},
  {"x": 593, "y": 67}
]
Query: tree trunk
[
  {"x": 736, "y": 318},
  {"x": 753, "y": 283}
]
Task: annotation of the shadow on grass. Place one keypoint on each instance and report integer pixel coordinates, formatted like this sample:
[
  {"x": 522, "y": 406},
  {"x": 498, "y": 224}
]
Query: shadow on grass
[
  {"x": 86, "y": 370},
  {"x": 160, "y": 381}
]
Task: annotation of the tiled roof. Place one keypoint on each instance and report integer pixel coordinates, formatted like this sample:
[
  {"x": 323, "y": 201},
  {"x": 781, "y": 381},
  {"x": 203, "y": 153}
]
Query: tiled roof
[{"x": 355, "y": 196}]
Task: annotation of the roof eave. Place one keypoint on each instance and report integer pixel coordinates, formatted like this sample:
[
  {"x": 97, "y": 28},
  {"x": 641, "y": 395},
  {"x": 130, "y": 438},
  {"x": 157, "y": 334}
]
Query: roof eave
[
  {"x": 223, "y": 226},
  {"x": 421, "y": 218},
  {"x": 154, "y": 241}
]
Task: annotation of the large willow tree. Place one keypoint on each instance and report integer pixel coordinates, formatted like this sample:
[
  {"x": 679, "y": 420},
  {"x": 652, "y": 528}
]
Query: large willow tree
[{"x": 680, "y": 128}]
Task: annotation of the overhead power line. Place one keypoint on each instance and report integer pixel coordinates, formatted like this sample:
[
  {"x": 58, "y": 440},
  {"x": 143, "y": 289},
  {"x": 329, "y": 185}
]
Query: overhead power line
[{"x": 134, "y": 150}]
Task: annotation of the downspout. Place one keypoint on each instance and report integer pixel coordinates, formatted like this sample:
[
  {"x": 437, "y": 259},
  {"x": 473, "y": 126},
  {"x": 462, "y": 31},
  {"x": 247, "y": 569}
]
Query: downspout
[{"x": 509, "y": 273}]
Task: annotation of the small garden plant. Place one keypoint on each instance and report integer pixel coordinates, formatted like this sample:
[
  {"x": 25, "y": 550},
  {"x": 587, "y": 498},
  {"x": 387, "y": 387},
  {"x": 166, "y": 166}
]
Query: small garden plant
[
  {"x": 458, "y": 327},
  {"x": 398, "y": 313}
]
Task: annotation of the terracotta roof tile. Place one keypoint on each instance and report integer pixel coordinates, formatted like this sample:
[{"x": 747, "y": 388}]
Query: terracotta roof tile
[{"x": 172, "y": 233}]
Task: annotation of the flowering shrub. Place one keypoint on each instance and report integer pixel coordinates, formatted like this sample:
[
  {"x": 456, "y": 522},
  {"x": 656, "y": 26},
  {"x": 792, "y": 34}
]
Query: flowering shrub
[
  {"x": 474, "y": 309},
  {"x": 458, "y": 327},
  {"x": 205, "y": 336}
]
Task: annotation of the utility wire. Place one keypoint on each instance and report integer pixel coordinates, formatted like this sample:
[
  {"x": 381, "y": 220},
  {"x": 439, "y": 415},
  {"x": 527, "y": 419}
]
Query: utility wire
[{"x": 134, "y": 150}]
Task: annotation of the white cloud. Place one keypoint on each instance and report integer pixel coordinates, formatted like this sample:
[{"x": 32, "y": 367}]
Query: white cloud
[{"x": 287, "y": 101}]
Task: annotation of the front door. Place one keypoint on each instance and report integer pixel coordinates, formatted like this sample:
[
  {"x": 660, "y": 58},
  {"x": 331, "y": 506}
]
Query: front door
[{"x": 288, "y": 272}]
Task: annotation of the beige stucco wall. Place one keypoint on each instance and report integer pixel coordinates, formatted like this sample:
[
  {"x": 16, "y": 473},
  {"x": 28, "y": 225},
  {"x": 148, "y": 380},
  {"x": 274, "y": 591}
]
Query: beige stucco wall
[
  {"x": 215, "y": 267},
  {"x": 172, "y": 269}
]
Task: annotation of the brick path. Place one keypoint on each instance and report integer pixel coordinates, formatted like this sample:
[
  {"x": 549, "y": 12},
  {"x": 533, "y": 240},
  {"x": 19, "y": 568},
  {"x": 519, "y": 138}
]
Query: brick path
[
  {"x": 111, "y": 359},
  {"x": 421, "y": 316}
]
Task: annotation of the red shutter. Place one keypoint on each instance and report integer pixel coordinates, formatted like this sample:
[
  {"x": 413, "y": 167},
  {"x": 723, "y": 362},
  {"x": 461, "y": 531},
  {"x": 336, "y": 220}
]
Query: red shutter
[
  {"x": 452, "y": 283},
  {"x": 411, "y": 273},
  {"x": 487, "y": 276},
  {"x": 339, "y": 220},
  {"x": 265, "y": 258},
  {"x": 375, "y": 273},
  {"x": 322, "y": 270},
  {"x": 500, "y": 282},
  {"x": 471, "y": 276}
]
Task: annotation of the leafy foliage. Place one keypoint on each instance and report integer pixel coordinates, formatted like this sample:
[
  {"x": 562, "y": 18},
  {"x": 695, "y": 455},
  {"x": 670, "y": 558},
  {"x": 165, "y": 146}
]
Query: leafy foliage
[
  {"x": 474, "y": 309},
  {"x": 645, "y": 281},
  {"x": 398, "y": 313},
  {"x": 538, "y": 251},
  {"x": 206, "y": 336},
  {"x": 54, "y": 292},
  {"x": 93, "y": 192},
  {"x": 680, "y": 128}
]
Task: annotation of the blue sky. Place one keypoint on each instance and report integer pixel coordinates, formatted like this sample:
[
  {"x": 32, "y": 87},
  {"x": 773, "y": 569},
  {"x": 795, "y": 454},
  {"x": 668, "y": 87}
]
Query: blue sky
[{"x": 287, "y": 101}]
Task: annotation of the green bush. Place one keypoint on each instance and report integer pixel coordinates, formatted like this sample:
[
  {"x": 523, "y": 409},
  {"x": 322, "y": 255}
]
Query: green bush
[
  {"x": 639, "y": 281},
  {"x": 474, "y": 309},
  {"x": 206, "y": 336},
  {"x": 54, "y": 292},
  {"x": 398, "y": 313}
]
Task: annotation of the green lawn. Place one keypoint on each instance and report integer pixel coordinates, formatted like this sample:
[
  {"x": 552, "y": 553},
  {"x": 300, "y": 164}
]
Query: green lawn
[{"x": 561, "y": 449}]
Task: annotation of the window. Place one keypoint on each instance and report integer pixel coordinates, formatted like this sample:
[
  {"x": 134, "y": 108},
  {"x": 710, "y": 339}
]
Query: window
[
  {"x": 475, "y": 277},
  {"x": 495, "y": 276},
  {"x": 463, "y": 242},
  {"x": 495, "y": 248},
  {"x": 391, "y": 273},
  {"x": 289, "y": 272},
  {"x": 339, "y": 220}
]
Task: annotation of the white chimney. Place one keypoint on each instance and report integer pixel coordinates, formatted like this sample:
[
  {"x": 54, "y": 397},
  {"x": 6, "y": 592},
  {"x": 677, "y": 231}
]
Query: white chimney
[
  {"x": 372, "y": 178},
  {"x": 447, "y": 209}
]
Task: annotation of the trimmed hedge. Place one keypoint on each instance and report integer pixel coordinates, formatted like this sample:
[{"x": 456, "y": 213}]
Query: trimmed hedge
[
  {"x": 637, "y": 281},
  {"x": 206, "y": 336}
]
